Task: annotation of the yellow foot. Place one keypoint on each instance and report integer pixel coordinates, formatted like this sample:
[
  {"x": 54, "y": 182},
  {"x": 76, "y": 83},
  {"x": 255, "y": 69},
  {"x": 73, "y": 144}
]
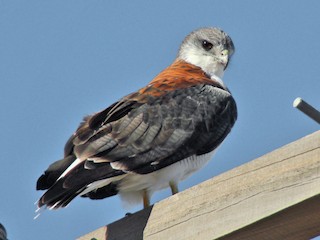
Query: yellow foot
[{"x": 146, "y": 199}]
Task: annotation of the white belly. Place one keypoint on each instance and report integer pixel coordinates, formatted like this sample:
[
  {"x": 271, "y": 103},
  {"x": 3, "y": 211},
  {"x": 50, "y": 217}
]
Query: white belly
[{"x": 131, "y": 187}]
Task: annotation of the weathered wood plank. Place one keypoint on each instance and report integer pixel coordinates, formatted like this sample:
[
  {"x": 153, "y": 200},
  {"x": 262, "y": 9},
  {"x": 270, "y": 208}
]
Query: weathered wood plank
[
  {"x": 301, "y": 221},
  {"x": 275, "y": 195}
]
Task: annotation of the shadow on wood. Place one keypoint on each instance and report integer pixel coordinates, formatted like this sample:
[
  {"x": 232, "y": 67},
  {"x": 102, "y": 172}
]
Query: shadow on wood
[
  {"x": 129, "y": 227},
  {"x": 137, "y": 223}
]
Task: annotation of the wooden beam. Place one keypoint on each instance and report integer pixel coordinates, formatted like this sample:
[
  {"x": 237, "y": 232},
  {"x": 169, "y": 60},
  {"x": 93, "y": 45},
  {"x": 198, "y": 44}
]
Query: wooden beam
[
  {"x": 301, "y": 221},
  {"x": 276, "y": 196}
]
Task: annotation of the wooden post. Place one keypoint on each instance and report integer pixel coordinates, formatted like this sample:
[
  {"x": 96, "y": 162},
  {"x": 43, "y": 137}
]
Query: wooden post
[{"x": 276, "y": 196}]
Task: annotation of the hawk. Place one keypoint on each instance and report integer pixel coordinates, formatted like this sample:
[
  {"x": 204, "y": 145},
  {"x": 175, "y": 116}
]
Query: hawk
[{"x": 153, "y": 138}]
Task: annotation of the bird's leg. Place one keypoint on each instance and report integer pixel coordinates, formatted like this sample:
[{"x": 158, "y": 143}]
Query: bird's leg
[
  {"x": 146, "y": 199},
  {"x": 174, "y": 187}
]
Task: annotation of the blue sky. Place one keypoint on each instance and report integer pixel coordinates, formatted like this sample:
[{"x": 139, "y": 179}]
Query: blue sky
[{"x": 61, "y": 60}]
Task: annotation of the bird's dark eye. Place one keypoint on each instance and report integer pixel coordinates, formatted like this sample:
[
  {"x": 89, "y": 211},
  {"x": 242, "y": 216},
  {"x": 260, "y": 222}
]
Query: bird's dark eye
[{"x": 206, "y": 45}]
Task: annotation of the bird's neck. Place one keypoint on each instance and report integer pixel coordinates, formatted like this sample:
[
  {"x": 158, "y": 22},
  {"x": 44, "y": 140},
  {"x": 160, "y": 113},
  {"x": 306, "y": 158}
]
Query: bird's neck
[{"x": 209, "y": 64}]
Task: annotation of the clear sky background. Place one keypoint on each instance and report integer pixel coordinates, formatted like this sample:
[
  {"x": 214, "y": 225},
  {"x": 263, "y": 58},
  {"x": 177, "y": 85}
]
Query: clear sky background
[{"x": 61, "y": 60}]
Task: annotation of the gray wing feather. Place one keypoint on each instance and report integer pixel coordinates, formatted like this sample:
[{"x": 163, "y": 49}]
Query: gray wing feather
[{"x": 163, "y": 130}]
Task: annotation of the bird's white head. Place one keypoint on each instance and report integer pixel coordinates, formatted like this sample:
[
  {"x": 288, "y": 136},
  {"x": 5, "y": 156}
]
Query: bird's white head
[{"x": 208, "y": 48}]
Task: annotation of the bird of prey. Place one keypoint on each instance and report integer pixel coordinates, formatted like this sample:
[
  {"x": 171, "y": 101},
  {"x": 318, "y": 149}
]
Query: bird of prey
[{"x": 153, "y": 138}]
